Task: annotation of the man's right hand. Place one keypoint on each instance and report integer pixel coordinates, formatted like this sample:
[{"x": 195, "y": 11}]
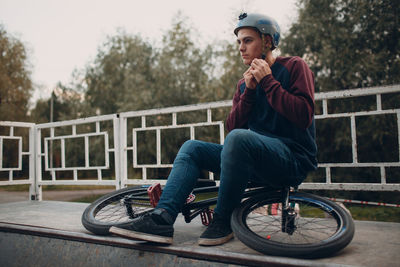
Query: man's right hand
[{"x": 249, "y": 79}]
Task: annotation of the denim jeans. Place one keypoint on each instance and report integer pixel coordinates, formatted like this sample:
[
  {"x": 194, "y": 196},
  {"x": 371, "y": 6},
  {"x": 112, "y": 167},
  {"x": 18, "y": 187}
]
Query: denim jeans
[{"x": 245, "y": 155}]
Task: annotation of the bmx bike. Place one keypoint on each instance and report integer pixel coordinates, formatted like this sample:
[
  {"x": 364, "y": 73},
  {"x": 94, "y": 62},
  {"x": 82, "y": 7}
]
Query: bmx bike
[{"x": 278, "y": 222}]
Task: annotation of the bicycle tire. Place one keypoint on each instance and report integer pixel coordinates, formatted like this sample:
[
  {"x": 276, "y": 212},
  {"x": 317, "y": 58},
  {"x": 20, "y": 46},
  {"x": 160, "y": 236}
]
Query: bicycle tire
[
  {"x": 108, "y": 211},
  {"x": 323, "y": 227}
]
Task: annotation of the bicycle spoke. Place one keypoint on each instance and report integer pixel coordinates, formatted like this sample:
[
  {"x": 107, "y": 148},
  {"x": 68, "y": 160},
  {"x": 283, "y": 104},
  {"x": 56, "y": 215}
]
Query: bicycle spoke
[
  {"x": 265, "y": 226},
  {"x": 315, "y": 225},
  {"x": 115, "y": 214},
  {"x": 115, "y": 211}
]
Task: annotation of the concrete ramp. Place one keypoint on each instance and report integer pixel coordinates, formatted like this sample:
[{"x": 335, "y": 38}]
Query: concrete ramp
[{"x": 50, "y": 233}]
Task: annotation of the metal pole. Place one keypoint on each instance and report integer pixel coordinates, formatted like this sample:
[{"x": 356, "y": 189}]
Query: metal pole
[{"x": 51, "y": 120}]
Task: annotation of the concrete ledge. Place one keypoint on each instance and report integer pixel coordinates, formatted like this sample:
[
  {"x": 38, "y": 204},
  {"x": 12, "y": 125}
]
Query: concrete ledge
[
  {"x": 36, "y": 230},
  {"x": 26, "y": 234}
]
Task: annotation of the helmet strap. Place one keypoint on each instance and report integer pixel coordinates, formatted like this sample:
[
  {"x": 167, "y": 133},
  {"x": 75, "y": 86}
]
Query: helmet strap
[{"x": 266, "y": 49}]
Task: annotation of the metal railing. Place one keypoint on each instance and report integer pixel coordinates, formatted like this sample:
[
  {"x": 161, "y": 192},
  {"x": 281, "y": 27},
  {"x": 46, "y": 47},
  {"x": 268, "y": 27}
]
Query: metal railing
[
  {"x": 377, "y": 92},
  {"x": 18, "y": 166},
  {"x": 105, "y": 150},
  {"x": 172, "y": 123}
]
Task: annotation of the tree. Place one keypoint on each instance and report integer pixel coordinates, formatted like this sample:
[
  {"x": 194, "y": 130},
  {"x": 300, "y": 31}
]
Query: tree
[
  {"x": 233, "y": 69},
  {"x": 120, "y": 78},
  {"x": 15, "y": 82},
  {"x": 348, "y": 43},
  {"x": 130, "y": 74},
  {"x": 183, "y": 73},
  {"x": 67, "y": 105}
]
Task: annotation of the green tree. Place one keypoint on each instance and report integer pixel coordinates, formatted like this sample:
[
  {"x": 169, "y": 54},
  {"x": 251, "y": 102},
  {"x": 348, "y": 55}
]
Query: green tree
[
  {"x": 129, "y": 74},
  {"x": 120, "y": 78},
  {"x": 67, "y": 105},
  {"x": 15, "y": 81},
  {"x": 232, "y": 70},
  {"x": 183, "y": 73},
  {"x": 348, "y": 43}
]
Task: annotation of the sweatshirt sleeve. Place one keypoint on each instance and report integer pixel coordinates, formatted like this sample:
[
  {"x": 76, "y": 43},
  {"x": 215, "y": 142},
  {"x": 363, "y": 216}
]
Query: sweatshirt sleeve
[
  {"x": 241, "y": 108},
  {"x": 297, "y": 102}
]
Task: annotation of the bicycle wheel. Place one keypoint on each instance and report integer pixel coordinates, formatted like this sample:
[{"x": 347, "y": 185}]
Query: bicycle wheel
[
  {"x": 117, "y": 208},
  {"x": 320, "y": 227}
]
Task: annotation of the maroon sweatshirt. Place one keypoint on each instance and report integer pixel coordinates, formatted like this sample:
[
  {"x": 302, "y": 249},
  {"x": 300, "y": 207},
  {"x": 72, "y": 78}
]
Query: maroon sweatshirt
[{"x": 281, "y": 106}]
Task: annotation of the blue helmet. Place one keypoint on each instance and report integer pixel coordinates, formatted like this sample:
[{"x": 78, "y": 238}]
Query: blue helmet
[{"x": 264, "y": 24}]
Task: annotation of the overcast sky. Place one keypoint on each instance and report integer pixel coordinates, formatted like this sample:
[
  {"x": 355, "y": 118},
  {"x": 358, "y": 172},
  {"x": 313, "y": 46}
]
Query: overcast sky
[{"x": 63, "y": 35}]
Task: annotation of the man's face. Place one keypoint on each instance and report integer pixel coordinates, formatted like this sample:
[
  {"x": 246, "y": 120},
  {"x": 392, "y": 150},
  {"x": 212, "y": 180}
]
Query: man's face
[{"x": 250, "y": 44}]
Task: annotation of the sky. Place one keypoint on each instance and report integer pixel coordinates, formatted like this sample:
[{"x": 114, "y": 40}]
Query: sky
[{"x": 64, "y": 35}]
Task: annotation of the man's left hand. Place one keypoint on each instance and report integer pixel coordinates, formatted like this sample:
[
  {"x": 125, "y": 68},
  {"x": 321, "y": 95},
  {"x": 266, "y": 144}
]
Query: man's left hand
[{"x": 260, "y": 69}]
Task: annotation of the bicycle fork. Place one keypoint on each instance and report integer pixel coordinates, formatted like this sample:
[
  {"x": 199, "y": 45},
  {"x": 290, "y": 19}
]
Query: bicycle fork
[{"x": 288, "y": 213}]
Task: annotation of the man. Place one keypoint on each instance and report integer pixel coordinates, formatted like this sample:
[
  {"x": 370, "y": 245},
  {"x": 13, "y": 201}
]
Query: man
[{"x": 271, "y": 138}]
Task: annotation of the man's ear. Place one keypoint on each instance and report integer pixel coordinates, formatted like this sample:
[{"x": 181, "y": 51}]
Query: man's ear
[{"x": 268, "y": 42}]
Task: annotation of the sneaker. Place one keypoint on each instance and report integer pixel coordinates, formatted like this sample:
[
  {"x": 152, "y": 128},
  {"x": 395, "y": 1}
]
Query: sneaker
[
  {"x": 155, "y": 226},
  {"x": 217, "y": 233}
]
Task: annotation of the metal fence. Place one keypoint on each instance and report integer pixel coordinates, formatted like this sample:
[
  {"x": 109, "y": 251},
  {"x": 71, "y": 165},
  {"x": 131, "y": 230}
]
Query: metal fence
[
  {"x": 132, "y": 147},
  {"x": 8, "y": 136}
]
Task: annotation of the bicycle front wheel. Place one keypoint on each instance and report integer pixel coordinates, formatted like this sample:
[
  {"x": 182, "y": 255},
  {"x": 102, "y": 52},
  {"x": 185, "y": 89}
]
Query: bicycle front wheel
[
  {"x": 319, "y": 228},
  {"x": 116, "y": 209}
]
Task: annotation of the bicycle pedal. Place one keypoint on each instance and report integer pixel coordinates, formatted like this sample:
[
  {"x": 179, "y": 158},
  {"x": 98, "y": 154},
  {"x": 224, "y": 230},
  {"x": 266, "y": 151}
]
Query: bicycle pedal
[
  {"x": 274, "y": 209},
  {"x": 206, "y": 216},
  {"x": 154, "y": 193}
]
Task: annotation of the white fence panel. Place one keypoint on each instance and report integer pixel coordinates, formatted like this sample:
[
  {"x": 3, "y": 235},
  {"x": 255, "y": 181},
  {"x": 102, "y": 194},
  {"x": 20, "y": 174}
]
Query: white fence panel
[
  {"x": 353, "y": 93},
  {"x": 69, "y": 137},
  {"x": 29, "y": 178},
  {"x": 172, "y": 124}
]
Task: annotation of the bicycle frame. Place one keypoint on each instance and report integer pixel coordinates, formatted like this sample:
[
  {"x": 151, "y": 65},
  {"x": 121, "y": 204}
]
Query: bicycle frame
[{"x": 192, "y": 209}]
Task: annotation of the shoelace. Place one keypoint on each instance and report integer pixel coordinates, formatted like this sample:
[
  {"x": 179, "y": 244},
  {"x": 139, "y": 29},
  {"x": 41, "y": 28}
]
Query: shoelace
[{"x": 144, "y": 216}]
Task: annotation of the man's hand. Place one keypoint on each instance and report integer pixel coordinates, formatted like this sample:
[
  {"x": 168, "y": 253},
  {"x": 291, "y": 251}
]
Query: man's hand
[
  {"x": 259, "y": 68},
  {"x": 249, "y": 79}
]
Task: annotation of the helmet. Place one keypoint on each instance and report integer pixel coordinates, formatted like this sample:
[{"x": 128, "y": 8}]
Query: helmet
[{"x": 264, "y": 24}]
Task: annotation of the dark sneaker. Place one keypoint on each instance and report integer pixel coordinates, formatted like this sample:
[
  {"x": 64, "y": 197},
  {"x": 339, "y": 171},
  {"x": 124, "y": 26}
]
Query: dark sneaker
[
  {"x": 155, "y": 226},
  {"x": 217, "y": 233}
]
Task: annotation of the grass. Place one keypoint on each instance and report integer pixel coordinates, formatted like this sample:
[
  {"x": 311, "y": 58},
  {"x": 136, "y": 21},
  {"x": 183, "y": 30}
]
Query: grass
[
  {"x": 25, "y": 187},
  {"x": 77, "y": 187},
  {"x": 374, "y": 213},
  {"x": 363, "y": 213},
  {"x": 16, "y": 188}
]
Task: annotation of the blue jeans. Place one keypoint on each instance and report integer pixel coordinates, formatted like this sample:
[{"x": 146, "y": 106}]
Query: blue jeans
[{"x": 245, "y": 156}]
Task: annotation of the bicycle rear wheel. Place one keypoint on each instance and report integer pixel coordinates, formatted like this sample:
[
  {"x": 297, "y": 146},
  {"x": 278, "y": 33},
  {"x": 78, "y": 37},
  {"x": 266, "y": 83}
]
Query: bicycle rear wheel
[
  {"x": 320, "y": 227},
  {"x": 117, "y": 208}
]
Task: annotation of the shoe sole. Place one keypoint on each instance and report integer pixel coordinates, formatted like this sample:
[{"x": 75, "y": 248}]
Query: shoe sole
[
  {"x": 140, "y": 236},
  {"x": 215, "y": 241}
]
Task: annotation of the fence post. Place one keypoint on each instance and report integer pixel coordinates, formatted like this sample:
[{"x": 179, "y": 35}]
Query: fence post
[
  {"x": 122, "y": 151},
  {"x": 117, "y": 151},
  {"x": 38, "y": 163},
  {"x": 32, "y": 163}
]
